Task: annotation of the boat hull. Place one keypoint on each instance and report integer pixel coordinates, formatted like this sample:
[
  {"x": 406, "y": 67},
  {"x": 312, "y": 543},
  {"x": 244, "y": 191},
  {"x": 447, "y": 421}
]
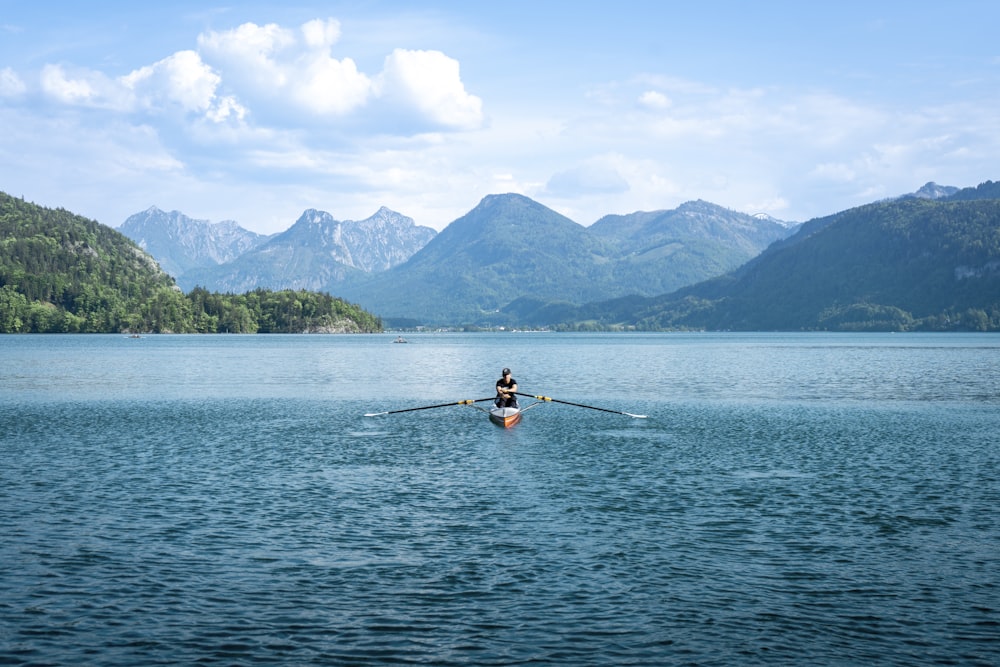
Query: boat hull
[{"x": 505, "y": 417}]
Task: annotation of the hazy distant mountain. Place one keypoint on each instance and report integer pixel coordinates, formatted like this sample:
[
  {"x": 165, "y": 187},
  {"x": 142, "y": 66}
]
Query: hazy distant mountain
[
  {"x": 513, "y": 249},
  {"x": 318, "y": 253},
  {"x": 180, "y": 243},
  {"x": 895, "y": 265},
  {"x": 698, "y": 240},
  {"x": 693, "y": 219},
  {"x": 374, "y": 244}
]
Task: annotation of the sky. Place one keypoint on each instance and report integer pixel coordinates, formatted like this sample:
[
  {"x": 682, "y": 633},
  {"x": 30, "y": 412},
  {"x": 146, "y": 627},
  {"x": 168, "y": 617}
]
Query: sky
[{"x": 257, "y": 111}]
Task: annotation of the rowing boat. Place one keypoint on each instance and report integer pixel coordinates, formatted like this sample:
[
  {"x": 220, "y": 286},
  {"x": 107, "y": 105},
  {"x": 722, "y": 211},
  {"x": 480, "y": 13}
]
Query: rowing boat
[{"x": 505, "y": 417}]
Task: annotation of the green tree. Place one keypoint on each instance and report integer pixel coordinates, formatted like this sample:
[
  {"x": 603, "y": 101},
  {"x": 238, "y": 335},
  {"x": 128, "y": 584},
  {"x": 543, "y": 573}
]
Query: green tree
[{"x": 13, "y": 310}]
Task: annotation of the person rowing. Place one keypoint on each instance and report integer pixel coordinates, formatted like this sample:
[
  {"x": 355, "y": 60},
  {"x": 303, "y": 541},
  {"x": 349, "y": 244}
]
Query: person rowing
[
  {"x": 506, "y": 397},
  {"x": 506, "y": 391}
]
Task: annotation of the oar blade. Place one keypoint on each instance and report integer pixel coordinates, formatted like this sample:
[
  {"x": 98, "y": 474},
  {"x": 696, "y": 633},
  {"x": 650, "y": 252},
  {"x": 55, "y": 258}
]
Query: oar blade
[
  {"x": 581, "y": 405},
  {"x": 468, "y": 401}
]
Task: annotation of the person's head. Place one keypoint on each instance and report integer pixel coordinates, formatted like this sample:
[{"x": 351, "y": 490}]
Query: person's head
[{"x": 506, "y": 372}]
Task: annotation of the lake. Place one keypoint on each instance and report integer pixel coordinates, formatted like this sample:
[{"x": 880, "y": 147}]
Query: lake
[{"x": 820, "y": 499}]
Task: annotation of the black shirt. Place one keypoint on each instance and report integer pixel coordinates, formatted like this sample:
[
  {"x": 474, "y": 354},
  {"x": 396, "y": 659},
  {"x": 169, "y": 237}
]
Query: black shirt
[{"x": 505, "y": 385}]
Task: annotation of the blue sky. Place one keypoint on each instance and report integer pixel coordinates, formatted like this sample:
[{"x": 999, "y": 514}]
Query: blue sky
[{"x": 256, "y": 111}]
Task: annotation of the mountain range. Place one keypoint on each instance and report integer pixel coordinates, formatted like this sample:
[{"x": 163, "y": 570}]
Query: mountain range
[
  {"x": 924, "y": 260},
  {"x": 315, "y": 253},
  {"x": 913, "y": 263},
  {"x": 507, "y": 248},
  {"x": 927, "y": 261}
]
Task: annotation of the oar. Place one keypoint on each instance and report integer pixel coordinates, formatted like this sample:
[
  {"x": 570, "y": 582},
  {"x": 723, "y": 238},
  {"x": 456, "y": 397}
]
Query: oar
[
  {"x": 580, "y": 405},
  {"x": 468, "y": 401}
]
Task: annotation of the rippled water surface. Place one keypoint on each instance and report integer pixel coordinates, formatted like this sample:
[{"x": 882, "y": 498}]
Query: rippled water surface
[{"x": 791, "y": 499}]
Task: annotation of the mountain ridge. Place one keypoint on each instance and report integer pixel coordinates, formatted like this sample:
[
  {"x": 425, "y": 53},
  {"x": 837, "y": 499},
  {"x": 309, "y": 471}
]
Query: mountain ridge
[
  {"x": 315, "y": 253},
  {"x": 905, "y": 264},
  {"x": 510, "y": 247},
  {"x": 512, "y": 261},
  {"x": 180, "y": 243},
  {"x": 541, "y": 253},
  {"x": 505, "y": 242}
]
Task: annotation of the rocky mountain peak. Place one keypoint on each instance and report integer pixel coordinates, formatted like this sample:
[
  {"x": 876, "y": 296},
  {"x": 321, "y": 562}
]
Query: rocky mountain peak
[
  {"x": 180, "y": 243},
  {"x": 312, "y": 216},
  {"x": 932, "y": 190}
]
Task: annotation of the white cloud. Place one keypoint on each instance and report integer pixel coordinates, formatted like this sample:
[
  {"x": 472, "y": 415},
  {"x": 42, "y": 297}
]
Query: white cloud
[
  {"x": 58, "y": 85},
  {"x": 247, "y": 54},
  {"x": 273, "y": 68},
  {"x": 227, "y": 109},
  {"x": 326, "y": 86},
  {"x": 181, "y": 79},
  {"x": 11, "y": 84},
  {"x": 654, "y": 100},
  {"x": 277, "y": 77},
  {"x": 320, "y": 34},
  {"x": 84, "y": 87},
  {"x": 429, "y": 82}
]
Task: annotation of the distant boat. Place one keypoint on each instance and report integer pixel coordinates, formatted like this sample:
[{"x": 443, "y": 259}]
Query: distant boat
[{"x": 400, "y": 339}]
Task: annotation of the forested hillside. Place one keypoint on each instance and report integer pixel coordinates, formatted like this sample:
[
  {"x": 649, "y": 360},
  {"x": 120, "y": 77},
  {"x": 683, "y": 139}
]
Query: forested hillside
[
  {"x": 902, "y": 265},
  {"x": 60, "y": 272}
]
